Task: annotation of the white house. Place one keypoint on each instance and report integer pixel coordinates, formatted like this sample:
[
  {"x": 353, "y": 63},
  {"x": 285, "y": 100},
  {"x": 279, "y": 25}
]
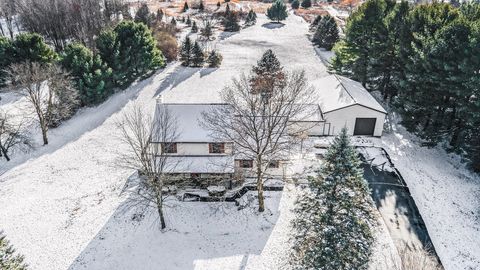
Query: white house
[{"x": 340, "y": 102}]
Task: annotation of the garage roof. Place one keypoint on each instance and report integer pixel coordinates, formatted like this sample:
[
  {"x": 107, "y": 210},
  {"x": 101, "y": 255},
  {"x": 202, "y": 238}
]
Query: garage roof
[{"x": 335, "y": 92}]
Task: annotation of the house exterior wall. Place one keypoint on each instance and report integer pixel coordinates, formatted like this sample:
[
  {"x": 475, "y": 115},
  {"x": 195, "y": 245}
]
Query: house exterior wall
[{"x": 346, "y": 117}]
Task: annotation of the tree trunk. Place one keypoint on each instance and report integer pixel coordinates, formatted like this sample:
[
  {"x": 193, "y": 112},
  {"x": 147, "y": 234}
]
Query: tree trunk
[
  {"x": 261, "y": 201},
  {"x": 4, "y": 153},
  {"x": 44, "y": 134},
  {"x": 158, "y": 197}
]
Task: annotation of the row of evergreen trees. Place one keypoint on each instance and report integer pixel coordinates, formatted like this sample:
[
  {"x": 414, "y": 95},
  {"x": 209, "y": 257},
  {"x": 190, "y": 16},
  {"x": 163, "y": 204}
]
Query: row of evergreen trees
[
  {"x": 425, "y": 60},
  {"x": 192, "y": 55},
  {"x": 125, "y": 53}
]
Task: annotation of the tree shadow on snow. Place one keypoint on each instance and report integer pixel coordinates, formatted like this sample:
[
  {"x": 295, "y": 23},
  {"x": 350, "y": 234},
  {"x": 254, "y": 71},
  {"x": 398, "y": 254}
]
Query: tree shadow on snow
[
  {"x": 226, "y": 35},
  {"x": 85, "y": 120},
  {"x": 199, "y": 235},
  {"x": 273, "y": 25},
  {"x": 179, "y": 75}
]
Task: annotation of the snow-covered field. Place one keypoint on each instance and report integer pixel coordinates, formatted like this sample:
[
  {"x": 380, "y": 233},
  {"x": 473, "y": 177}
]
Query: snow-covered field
[{"x": 61, "y": 205}]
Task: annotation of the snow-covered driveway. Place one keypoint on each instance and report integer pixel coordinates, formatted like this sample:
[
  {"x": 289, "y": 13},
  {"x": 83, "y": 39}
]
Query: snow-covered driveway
[{"x": 54, "y": 201}]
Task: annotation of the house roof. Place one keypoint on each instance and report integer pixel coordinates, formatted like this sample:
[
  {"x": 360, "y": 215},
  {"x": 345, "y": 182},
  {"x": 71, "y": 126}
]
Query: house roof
[
  {"x": 335, "y": 92},
  {"x": 188, "y": 119},
  {"x": 201, "y": 164}
]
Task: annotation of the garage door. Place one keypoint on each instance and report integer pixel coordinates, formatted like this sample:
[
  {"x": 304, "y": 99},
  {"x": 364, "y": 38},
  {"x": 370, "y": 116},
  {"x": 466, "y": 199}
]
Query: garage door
[{"x": 364, "y": 126}]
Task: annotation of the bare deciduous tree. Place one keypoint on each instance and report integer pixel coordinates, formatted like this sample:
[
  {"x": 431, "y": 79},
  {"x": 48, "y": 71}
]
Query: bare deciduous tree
[
  {"x": 8, "y": 10},
  {"x": 261, "y": 123},
  {"x": 11, "y": 135},
  {"x": 62, "y": 20},
  {"x": 48, "y": 90},
  {"x": 147, "y": 141}
]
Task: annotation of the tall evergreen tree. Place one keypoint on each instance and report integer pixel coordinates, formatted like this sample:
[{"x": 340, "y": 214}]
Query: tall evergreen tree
[
  {"x": 159, "y": 15},
  {"x": 201, "y": 7},
  {"x": 197, "y": 55},
  {"x": 6, "y": 51},
  {"x": 32, "y": 47},
  {"x": 365, "y": 36},
  {"x": 186, "y": 52},
  {"x": 185, "y": 7},
  {"x": 335, "y": 216},
  {"x": 326, "y": 34},
  {"x": 315, "y": 22},
  {"x": 91, "y": 77},
  {"x": 9, "y": 260},
  {"x": 230, "y": 21},
  {"x": 131, "y": 51},
  {"x": 194, "y": 27},
  {"x": 267, "y": 74},
  {"x": 143, "y": 15},
  {"x": 251, "y": 18},
  {"x": 278, "y": 11}
]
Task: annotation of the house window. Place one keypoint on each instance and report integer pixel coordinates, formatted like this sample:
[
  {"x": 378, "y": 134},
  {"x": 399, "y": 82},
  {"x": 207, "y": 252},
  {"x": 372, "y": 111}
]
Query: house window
[
  {"x": 169, "y": 148},
  {"x": 245, "y": 163},
  {"x": 216, "y": 148},
  {"x": 274, "y": 164}
]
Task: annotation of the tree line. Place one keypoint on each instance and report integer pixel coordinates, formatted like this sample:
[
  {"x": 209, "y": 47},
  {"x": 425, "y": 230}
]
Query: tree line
[
  {"x": 424, "y": 60},
  {"x": 78, "y": 73}
]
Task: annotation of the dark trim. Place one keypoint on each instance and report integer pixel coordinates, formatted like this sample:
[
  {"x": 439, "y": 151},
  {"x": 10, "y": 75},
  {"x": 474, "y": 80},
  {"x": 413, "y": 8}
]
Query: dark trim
[{"x": 355, "y": 105}]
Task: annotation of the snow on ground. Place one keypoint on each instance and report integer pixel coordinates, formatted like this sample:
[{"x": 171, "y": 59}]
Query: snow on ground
[
  {"x": 55, "y": 200},
  {"x": 446, "y": 194}
]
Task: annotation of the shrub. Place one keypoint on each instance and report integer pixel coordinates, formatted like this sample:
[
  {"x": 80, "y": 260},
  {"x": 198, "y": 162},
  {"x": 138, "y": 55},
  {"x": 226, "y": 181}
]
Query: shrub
[
  {"x": 168, "y": 45},
  {"x": 214, "y": 59}
]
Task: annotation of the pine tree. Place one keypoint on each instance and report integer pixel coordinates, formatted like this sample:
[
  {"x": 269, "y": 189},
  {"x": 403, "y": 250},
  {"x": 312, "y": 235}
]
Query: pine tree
[
  {"x": 306, "y": 3},
  {"x": 201, "y": 7},
  {"x": 173, "y": 21},
  {"x": 214, "y": 59},
  {"x": 219, "y": 5},
  {"x": 6, "y": 50},
  {"x": 91, "y": 77},
  {"x": 189, "y": 22},
  {"x": 186, "y": 52},
  {"x": 277, "y": 12},
  {"x": 335, "y": 216},
  {"x": 130, "y": 50},
  {"x": 207, "y": 31},
  {"x": 32, "y": 47},
  {"x": 198, "y": 57},
  {"x": 315, "y": 22},
  {"x": 143, "y": 15},
  {"x": 365, "y": 36},
  {"x": 194, "y": 27},
  {"x": 326, "y": 34},
  {"x": 185, "y": 7},
  {"x": 9, "y": 260},
  {"x": 251, "y": 18},
  {"x": 267, "y": 74},
  {"x": 230, "y": 21},
  {"x": 227, "y": 9},
  {"x": 159, "y": 15}
]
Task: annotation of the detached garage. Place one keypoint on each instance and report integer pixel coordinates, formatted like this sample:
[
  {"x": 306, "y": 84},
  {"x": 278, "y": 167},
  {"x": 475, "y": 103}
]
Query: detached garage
[{"x": 346, "y": 103}]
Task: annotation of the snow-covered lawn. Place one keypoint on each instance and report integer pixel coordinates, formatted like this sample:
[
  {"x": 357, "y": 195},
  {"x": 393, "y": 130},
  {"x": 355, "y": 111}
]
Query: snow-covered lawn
[
  {"x": 60, "y": 205},
  {"x": 55, "y": 200}
]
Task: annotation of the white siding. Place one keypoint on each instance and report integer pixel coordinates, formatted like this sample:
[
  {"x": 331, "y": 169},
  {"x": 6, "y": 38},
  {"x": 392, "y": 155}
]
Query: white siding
[{"x": 345, "y": 117}]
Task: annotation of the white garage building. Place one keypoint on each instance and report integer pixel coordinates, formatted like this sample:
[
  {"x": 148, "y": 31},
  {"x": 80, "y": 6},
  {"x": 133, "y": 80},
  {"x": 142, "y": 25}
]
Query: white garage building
[{"x": 343, "y": 102}]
